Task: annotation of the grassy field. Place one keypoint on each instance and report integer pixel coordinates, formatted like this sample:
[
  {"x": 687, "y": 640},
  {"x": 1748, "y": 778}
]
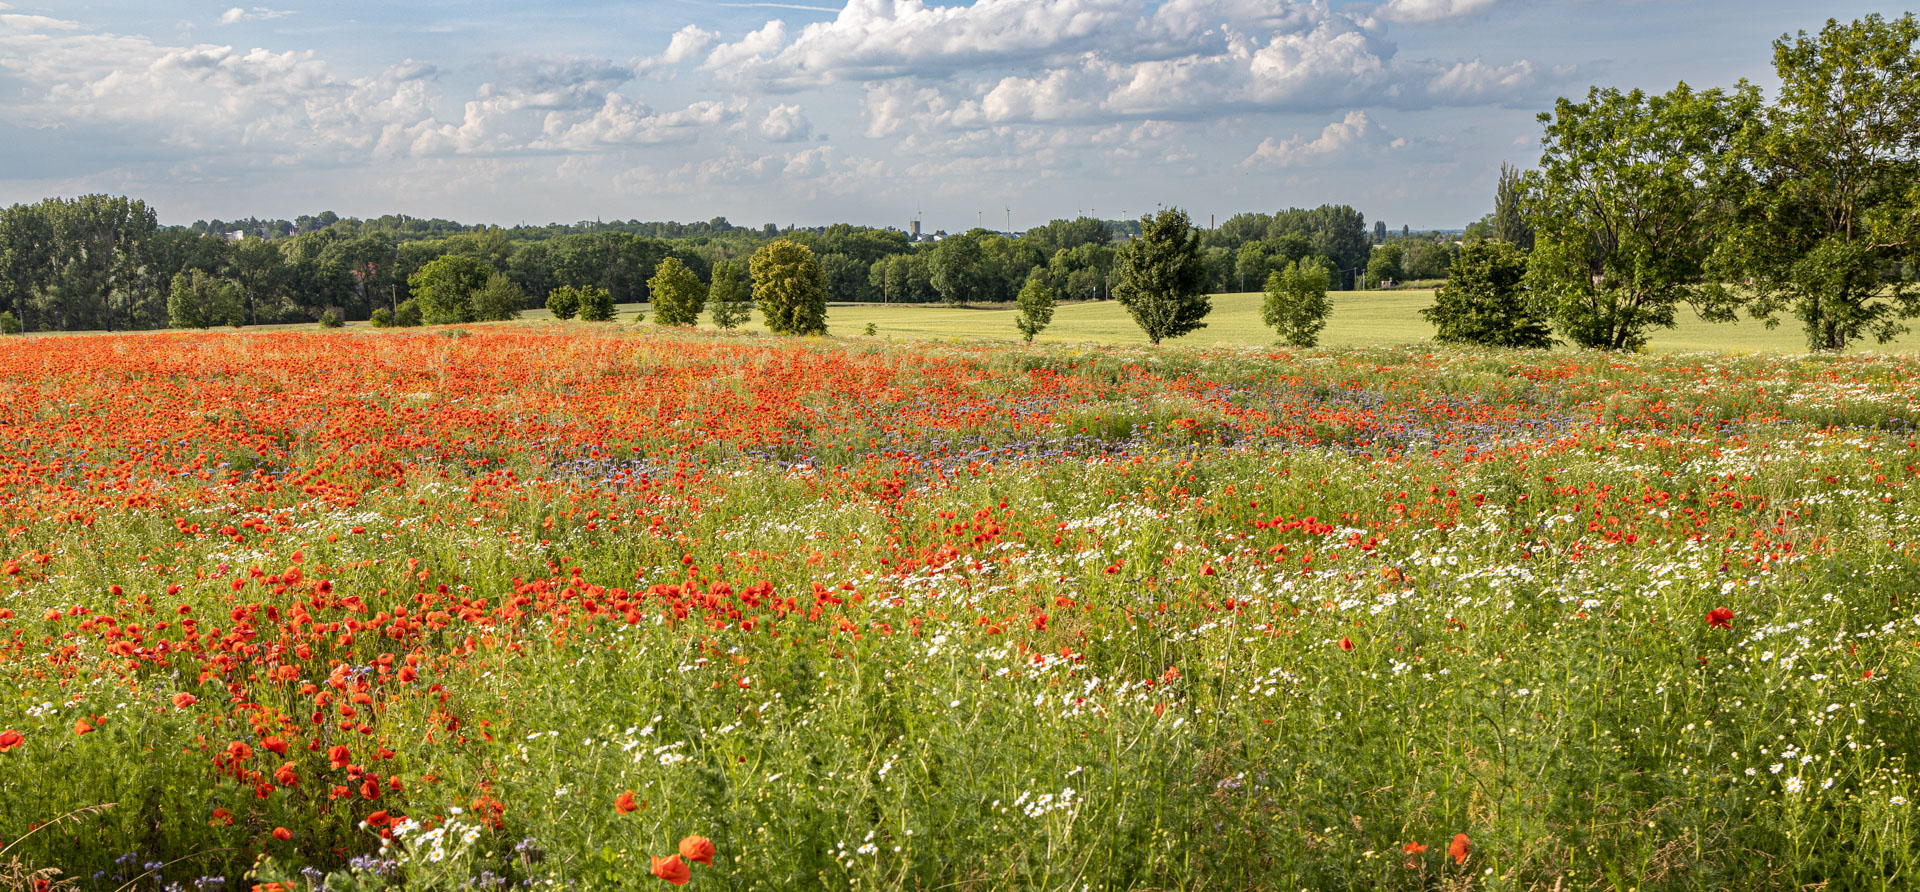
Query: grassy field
[
  {"x": 1360, "y": 319},
  {"x": 597, "y": 607}
]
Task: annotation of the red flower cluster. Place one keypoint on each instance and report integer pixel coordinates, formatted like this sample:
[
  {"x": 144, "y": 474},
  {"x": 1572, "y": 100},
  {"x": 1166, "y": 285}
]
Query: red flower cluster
[{"x": 678, "y": 872}]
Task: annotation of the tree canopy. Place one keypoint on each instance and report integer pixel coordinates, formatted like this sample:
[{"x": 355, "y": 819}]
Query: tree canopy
[{"x": 1162, "y": 280}]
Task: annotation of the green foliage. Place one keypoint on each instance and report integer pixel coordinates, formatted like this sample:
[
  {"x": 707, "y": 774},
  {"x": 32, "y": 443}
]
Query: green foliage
[
  {"x": 1384, "y": 266},
  {"x": 848, "y": 278},
  {"x": 871, "y": 330},
  {"x": 1485, "y": 301},
  {"x": 1065, "y": 235},
  {"x": 1162, "y": 281},
  {"x": 408, "y": 314},
  {"x": 1626, "y": 208},
  {"x": 9, "y": 323},
  {"x": 958, "y": 267},
  {"x": 596, "y": 304},
  {"x": 564, "y": 302},
  {"x": 1035, "y": 305},
  {"x": 1424, "y": 259},
  {"x": 789, "y": 288},
  {"x": 498, "y": 300},
  {"x": 1832, "y": 212},
  {"x": 1509, "y": 222},
  {"x": 728, "y": 296},
  {"x": 678, "y": 295},
  {"x": 381, "y": 318},
  {"x": 197, "y": 300},
  {"x": 446, "y": 285},
  {"x": 904, "y": 278},
  {"x": 1296, "y": 305},
  {"x": 1081, "y": 272},
  {"x": 185, "y": 306},
  {"x": 331, "y": 319}
]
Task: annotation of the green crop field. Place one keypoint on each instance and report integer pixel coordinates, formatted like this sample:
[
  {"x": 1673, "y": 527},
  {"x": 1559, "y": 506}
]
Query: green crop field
[{"x": 1360, "y": 318}]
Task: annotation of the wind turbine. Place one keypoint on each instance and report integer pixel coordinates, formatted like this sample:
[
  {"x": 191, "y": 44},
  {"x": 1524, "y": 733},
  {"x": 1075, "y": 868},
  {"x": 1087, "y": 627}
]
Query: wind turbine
[{"x": 1009, "y": 211}]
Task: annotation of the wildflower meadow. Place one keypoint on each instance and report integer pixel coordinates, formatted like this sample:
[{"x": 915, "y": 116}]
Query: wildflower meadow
[{"x": 530, "y": 606}]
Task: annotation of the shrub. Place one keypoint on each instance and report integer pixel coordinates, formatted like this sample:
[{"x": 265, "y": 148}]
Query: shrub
[
  {"x": 596, "y": 304},
  {"x": 381, "y": 318},
  {"x": 9, "y": 323},
  {"x": 1485, "y": 300},
  {"x": 678, "y": 294},
  {"x": 408, "y": 314},
  {"x": 564, "y": 302},
  {"x": 498, "y": 300},
  {"x": 1296, "y": 305},
  {"x": 331, "y": 319}
]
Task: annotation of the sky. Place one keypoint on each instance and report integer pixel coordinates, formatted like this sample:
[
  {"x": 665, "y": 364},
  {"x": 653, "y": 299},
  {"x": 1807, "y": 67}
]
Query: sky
[{"x": 964, "y": 112}]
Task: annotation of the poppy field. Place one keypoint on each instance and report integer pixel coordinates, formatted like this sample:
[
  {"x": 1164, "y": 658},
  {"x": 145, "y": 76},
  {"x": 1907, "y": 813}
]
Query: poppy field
[{"x": 531, "y": 607}]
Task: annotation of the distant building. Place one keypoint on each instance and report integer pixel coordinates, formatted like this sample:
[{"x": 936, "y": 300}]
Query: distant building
[{"x": 913, "y": 230}]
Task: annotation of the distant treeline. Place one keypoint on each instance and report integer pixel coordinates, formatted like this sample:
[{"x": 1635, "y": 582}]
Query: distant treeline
[{"x": 100, "y": 262}]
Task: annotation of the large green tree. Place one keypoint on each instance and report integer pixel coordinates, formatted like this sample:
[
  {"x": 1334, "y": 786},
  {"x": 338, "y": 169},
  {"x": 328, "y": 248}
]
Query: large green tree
[
  {"x": 1833, "y": 210},
  {"x": 445, "y": 287},
  {"x": 1485, "y": 300},
  {"x": 789, "y": 288},
  {"x": 678, "y": 294},
  {"x": 959, "y": 267},
  {"x": 1163, "y": 282},
  {"x": 1626, "y": 205}
]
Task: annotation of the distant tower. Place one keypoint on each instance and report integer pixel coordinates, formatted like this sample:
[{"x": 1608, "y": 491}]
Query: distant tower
[{"x": 913, "y": 230}]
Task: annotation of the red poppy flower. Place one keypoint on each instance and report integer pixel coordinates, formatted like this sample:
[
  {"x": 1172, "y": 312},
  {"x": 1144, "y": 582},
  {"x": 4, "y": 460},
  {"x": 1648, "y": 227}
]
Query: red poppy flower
[
  {"x": 282, "y": 834},
  {"x": 697, "y": 848},
  {"x": 1460, "y": 848},
  {"x": 1346, "y": 643},
  {"x": 10, "y": 739},
  {"x": 672, "y": 869},
  {"x": 183, "y": 700},
  {"x": 623, "y": 803},
  {"x": 1413, "y": 848},
  {"x": 339, "y": 756},
  {"x": 80, "y": 726},
  {"x": 1720, "y": 618}
]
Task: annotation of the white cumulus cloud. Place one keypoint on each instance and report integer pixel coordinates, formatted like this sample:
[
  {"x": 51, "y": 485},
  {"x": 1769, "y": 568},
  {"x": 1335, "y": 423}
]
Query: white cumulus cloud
[
  {"x": 785, "y": 123},
  {"x": 1351, "y": 136}
]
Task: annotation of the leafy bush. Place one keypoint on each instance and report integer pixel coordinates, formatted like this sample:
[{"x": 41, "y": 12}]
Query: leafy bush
[{"x": 564, "y": 302}]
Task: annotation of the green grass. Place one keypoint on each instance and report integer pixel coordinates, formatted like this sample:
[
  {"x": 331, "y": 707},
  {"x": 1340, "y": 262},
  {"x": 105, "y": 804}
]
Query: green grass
[{"x": 1360, "y": 319}]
